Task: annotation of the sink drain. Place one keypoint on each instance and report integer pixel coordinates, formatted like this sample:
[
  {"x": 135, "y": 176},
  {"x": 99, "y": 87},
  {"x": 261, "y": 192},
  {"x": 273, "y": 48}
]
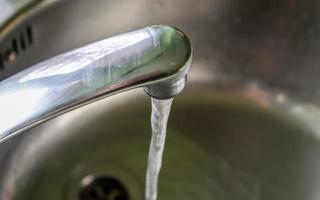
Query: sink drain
[{"x": 102, "y": 188}]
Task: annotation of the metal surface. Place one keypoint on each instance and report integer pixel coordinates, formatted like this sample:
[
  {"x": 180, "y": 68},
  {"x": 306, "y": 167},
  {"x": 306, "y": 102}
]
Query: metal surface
[
  {"x": 246, "y": 126},
  {"x": 157, "y": 57},
  {"x": 9, "y": 9}
]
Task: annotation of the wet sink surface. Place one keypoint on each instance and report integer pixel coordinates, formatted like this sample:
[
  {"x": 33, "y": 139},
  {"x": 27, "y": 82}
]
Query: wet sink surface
[{"x": 217, "y": 146}]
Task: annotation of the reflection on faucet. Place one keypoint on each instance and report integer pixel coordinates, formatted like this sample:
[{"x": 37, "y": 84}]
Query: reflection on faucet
[{"x": 156, "y": 58}]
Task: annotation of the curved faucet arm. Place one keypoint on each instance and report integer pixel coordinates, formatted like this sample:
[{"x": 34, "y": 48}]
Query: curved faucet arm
[{"x": 156, "y": 57}]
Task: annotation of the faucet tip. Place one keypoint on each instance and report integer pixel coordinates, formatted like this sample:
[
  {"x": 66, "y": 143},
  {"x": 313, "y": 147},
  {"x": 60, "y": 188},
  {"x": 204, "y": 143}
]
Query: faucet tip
[{"x": 166, "y": 89}]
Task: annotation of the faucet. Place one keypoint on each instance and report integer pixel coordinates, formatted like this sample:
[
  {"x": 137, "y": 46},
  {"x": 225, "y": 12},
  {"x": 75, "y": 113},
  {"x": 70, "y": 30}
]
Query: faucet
[{"x": 156, "y": 58}]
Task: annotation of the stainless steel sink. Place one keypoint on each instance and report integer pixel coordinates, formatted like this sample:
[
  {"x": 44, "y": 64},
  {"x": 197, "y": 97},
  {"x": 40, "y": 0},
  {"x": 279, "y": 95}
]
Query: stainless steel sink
[{"x": 246, "y": 126}]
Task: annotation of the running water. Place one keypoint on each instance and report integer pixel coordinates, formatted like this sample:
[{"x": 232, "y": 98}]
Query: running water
[{"x": 159, "y": 118}]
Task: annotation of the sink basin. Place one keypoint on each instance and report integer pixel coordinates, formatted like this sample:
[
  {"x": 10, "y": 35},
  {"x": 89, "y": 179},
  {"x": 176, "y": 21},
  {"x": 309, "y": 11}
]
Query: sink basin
[
  {"x": 218, "y": 145},
  {"x": 245, "y": 127}
]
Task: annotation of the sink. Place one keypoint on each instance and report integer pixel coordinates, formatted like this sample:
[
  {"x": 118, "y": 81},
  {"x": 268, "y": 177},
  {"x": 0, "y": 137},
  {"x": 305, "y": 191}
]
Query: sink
[
  {"x": 245, "y": 127},
  {"x": 217, "y": 146}
]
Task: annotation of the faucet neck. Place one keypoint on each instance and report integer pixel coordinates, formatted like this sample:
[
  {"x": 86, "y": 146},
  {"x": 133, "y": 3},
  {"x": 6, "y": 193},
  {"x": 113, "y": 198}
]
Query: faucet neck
[{"x": 156, "y": 57}]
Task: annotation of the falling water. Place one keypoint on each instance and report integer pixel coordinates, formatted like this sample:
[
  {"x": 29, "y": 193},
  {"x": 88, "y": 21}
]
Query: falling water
[{"x": 159, "y": 118}]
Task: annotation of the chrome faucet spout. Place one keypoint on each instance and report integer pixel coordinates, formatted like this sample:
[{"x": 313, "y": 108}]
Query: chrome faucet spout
[{"x": 156, "y": 58}]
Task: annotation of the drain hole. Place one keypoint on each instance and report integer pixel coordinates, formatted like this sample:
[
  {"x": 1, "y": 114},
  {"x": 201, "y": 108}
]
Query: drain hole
[
  {"x": 15, "y": 45},
  {"x": 22, "y": 42},
  {"x": 102, "y": 188},
  {"x": 29, "y": 33},
  {"x": 1, "y": 63}
]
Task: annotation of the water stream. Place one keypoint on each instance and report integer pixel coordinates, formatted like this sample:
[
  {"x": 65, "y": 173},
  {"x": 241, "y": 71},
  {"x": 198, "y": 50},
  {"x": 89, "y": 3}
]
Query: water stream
[{"x": 159, "y": 118}]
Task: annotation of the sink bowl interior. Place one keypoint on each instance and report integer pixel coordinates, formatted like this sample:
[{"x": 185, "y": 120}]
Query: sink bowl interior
[{"x": 217, "y": 146}]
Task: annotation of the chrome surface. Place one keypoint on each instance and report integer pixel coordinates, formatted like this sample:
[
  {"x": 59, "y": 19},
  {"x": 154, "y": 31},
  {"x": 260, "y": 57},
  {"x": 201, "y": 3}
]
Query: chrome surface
[
  {"x": 245, "y": 127},
  {"x": 10, "y": 8},
  {"x": 156, "y": 57}
]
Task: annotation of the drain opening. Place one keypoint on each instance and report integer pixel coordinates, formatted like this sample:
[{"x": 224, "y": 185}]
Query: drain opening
[
  {"x": 22, "y": 42},
  {"x": 15, "y": 45},
  {"x": 102, "y": 188},
  {"x": 1, "y": 63},
  {"x": 29, "y": 34}
]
